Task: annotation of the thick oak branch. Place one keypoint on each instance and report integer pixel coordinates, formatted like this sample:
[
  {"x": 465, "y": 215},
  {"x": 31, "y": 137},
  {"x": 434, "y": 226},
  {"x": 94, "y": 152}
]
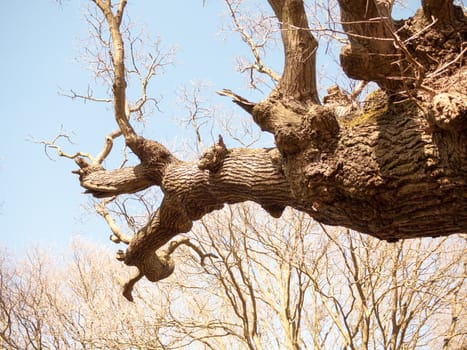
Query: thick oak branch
[
  {"x": 392, "y": 170},
  {"x": 401, "y": 55},
  {"x": 103, "y": 183},
  {"x": 371, "y": 55},
  {"x": 107, "y": 183},
  {"x": 298, "y": 79}
]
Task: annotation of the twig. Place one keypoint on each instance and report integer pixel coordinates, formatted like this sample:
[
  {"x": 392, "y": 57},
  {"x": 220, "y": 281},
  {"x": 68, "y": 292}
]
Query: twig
[
  {"x": 118, "y": 236},
  {"x": 420, "y": 32},
  {"x": 186, "y": 241},
  {"x": 52, "y": 144},
  {"x": 239, "y": 100},
  {"x": 358, "y": 90},
  {"x": 89, "y": 97},
  {"x": 258, "y": 65}
]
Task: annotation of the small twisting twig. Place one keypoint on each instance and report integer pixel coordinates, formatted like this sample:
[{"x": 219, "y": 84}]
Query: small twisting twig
[
  {"x": 198, "y": 113},
  {"x": 164, "y": 262},
  {"x": 53, "y": 145},
  {"x": 98, "y": 160},
  {"x": 186, "y": 241}
]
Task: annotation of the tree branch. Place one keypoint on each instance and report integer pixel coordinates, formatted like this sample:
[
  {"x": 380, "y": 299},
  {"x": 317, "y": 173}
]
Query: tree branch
[
  {"x": 298, "y": 79},
  {"x": 103, "y": 183},
  {"x": 340, "y": 173},
  {"x": 258, "y": 65},
  {"x": 121, "y": 109},
  {"x": 371, "y": 54},
  {"x": 190, "y": 193},
  {"x": 119, "y": 15},
  {"x": 118, "y": 236}
]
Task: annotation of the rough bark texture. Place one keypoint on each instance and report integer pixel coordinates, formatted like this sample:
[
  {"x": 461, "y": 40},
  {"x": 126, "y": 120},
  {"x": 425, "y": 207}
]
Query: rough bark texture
[
  {"x": 389, "y": 174},
  {"x": 395, "y": 168}
]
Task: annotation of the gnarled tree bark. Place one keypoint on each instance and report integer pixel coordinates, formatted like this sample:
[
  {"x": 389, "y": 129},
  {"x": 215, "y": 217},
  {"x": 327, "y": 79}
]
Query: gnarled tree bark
[{"x": 395, "y": 168}]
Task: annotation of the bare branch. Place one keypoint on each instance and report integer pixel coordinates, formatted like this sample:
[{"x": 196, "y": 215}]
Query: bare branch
[
  {"x": 53, "y": 145},
  {"x": 185, "y": 241},
  {"x": 258, "y": 64},
  {"x": 121, "y": 111},
  {"x": 161, "y": 264},
  {"x": 119, "y": 15},
  {"x": 107, "y": 146},
  {"x": 145, "y": 64},
  {"x": 88, "y": 97},
  {"x": 358, "y": 90},
  {"x": 198, "y": 113},
  {"x": 239, "y": 100},
  {"x": 118, "y": 236}
]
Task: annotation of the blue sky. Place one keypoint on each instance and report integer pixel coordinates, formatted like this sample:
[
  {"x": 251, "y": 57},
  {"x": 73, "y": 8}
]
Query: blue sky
[{"x": 40, "y": 200}]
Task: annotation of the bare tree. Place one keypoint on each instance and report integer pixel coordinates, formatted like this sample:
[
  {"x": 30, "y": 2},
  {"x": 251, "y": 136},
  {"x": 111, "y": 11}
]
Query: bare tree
[
  {"x": 393, "y": 168},
  {"x": 288, "y": 286}
]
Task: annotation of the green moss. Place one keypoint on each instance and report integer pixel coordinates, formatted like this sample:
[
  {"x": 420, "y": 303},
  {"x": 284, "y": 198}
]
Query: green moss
[
  {"x": 368, "y": 116},
  {"x": 375, "y": 105}
]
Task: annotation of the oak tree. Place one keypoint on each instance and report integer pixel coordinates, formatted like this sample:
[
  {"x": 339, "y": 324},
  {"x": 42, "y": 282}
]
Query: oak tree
[{"x": 393, "y": 167}]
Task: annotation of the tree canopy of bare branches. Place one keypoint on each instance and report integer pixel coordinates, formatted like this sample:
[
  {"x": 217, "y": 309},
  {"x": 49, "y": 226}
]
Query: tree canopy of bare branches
[{"x": 273, "y": 284}]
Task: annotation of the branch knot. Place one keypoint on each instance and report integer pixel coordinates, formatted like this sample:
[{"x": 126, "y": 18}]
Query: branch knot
[{"x": 213, "y": 158}]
